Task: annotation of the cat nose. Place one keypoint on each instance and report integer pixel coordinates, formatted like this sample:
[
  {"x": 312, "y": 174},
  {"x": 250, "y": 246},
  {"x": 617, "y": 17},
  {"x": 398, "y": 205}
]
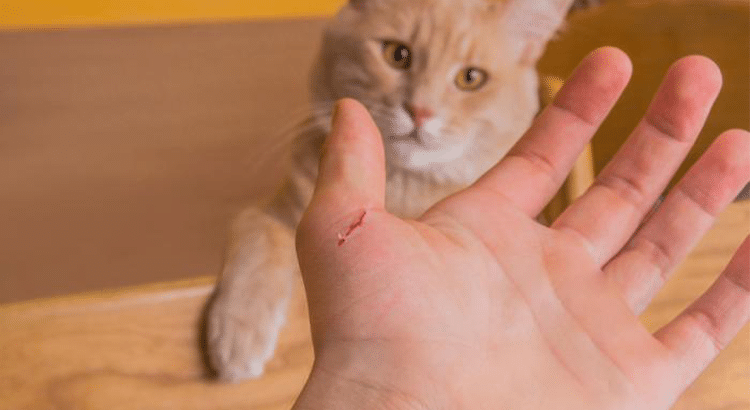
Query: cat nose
[{"x": 419, "y": 114}]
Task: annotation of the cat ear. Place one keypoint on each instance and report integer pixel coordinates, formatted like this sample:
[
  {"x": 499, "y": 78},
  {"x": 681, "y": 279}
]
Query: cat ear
[{"x": 534, "y": 23}]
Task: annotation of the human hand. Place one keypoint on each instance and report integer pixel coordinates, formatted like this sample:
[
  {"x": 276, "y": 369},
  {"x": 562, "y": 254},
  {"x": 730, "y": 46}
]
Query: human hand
[{"x": 476, "y": 305}]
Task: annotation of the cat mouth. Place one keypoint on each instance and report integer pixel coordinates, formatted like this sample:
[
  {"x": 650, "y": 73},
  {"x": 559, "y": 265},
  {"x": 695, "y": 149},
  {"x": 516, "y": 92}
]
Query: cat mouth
[
  {"x": 417, "y": 137},
  {"x": 420, "y": 150}
]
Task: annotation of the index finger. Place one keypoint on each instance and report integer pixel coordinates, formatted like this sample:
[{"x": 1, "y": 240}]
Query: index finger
[{"x": 535, "y": 168}]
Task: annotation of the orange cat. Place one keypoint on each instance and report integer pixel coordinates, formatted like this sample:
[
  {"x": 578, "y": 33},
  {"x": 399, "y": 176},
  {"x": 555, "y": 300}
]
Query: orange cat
[{"x": 452, "y": 86}]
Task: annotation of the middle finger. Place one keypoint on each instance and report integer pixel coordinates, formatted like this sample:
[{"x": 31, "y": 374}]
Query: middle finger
[{"x": 605, "y": 217}]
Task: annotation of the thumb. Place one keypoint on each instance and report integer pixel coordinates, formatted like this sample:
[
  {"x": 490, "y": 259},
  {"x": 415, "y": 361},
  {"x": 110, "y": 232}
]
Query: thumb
[{"x": 352, "y": 166}]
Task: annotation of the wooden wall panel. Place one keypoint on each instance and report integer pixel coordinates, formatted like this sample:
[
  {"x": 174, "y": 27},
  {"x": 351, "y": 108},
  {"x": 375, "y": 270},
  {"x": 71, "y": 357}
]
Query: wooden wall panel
[{"x": 124, "y": 152}]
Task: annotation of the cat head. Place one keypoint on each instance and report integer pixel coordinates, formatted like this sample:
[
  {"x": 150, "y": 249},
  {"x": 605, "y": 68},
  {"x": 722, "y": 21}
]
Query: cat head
[{"x": 450, "y": 83}]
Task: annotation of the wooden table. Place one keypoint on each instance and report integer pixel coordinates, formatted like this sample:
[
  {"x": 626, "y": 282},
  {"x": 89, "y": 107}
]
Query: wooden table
[{"x": 139, "y": 348}]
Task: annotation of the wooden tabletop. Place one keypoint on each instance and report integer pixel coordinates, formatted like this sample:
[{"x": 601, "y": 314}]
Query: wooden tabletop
[{"x": 139, "y": 348}]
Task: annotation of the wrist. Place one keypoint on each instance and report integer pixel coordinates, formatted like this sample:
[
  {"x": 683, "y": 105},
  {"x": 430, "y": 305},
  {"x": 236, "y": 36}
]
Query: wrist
[
  {"x": 325, "y": 390},
  {"x": 340, "y": 381}
]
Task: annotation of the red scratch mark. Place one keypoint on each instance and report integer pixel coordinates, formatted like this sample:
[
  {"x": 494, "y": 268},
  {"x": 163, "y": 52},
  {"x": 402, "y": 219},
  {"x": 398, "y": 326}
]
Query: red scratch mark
[{"x": 343, "y": 237}]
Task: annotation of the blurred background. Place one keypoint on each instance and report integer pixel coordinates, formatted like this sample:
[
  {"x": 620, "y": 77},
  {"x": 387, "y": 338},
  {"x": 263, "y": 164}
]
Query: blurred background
[{"x": 131, "y": 132}]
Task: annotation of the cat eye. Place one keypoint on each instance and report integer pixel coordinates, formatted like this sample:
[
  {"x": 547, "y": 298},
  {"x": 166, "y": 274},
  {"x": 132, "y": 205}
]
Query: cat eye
[
  {"x": 397, "y": 55},
  {"x": 471, "y": 79}
]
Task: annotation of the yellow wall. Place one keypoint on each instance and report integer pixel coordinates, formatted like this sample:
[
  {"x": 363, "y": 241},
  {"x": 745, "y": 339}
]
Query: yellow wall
[{"x": 69, "y": 13}]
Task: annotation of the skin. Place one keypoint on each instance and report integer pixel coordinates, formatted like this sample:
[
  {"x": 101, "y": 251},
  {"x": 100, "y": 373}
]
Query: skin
[{"x": 475, "y": 305}]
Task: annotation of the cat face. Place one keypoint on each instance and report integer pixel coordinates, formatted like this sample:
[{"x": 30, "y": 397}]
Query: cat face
[{"x": 447, "y": 81}]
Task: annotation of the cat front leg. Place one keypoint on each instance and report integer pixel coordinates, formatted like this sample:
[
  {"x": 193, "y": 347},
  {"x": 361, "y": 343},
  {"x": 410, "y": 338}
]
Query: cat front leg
[{"x": 252, "y": 295}]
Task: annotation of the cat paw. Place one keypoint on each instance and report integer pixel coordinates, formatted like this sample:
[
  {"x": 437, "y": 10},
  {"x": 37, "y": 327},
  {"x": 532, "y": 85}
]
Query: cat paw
[{"x": 242, "y": 335}]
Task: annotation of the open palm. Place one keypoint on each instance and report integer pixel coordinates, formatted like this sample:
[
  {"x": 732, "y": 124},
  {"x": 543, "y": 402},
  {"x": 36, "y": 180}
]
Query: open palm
[{"x": 476, "y": 305}]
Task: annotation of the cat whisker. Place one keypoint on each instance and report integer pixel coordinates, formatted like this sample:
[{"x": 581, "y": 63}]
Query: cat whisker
[{"x": 270, "y": 150}]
